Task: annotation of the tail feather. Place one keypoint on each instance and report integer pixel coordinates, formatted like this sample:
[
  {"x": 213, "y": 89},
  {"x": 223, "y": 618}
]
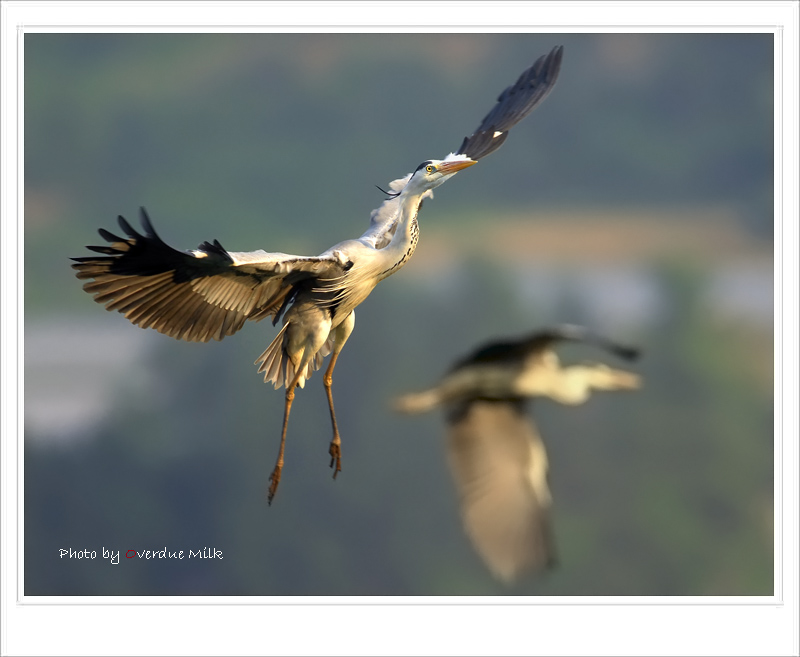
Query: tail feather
[
  {"x": 279, "y": 369},
  {"x": 271, "y": 360}
]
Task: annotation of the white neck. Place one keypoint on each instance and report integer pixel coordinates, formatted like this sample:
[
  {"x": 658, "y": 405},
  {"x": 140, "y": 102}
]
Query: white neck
[
  {"x": 404, "y": 241},
  {"x": 375, "y": 264}
]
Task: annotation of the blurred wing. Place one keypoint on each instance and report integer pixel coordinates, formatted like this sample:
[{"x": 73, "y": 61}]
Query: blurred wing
[
  {"x": 192, "y": 295},
  {"x": 513, "y": 105},
  {"x": 535, "y": 345},
  {"x": 499, "y": 465}
]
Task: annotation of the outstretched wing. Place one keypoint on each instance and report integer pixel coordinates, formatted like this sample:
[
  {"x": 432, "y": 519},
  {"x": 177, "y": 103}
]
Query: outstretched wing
[
  {"x": 513, "y": 105},
  {"x": 517, "y": 350},
  {"x": 192, "y": 295},
  {"x": 499, "y": 466}
]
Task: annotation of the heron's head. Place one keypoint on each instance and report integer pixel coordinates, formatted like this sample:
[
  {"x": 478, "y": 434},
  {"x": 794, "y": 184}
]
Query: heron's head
[{"x": 432, "y": 173}]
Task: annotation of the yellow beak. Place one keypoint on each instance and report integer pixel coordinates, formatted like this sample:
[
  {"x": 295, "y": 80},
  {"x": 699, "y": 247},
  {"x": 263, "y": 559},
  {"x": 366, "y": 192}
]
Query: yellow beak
[{"x": 452, "y": 166}]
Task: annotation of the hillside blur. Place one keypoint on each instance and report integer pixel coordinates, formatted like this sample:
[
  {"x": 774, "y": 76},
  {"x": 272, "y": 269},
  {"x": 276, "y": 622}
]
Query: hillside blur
[{"x": 638, "y": 200}]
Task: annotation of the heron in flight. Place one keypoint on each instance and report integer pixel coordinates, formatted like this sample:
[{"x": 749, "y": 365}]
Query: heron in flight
[
  {"x": 496, "y": 456},
  {"x": 210, "y": 292}
]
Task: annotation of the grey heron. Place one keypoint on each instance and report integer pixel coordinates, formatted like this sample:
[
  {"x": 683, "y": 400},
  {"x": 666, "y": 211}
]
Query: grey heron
[
  {"x": 495, "y": 453},
  {"x": 210, "y": 292}
]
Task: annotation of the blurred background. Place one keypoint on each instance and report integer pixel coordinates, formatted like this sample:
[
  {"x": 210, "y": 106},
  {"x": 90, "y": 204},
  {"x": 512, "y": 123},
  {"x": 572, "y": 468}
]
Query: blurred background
[{"x": 637, "y": 200}]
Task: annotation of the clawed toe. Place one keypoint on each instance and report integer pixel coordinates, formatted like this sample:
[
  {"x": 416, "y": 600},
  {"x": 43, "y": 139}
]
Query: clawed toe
[{"x": 336, "y": 457}]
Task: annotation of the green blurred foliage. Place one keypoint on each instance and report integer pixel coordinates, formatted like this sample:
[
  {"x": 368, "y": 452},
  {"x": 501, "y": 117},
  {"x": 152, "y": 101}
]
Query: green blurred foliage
[{"x": 275, "y": 141}]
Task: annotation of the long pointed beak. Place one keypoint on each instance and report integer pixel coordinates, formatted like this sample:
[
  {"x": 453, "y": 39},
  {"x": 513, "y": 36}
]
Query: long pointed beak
[{"x": 452, "y": 166}]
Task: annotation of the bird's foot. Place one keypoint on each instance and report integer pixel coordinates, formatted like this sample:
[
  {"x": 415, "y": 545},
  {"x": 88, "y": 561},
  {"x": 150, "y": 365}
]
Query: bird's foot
[
  {"x": 336, "y": 455},
  {"x": 275, "y": 479}
]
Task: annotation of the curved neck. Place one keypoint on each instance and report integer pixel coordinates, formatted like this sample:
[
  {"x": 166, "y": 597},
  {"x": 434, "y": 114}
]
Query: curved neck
[
  {"x": 410, "y": 203},
  {"x": 406, "y": 235}
]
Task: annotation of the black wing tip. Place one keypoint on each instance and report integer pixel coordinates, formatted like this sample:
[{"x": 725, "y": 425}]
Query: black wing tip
[
  {"x": 129, "y": 230},
  {"x": 558, "y": 333},
  {"x": 552, "y": 60},
  {"x": 108, "y": 236},
  {"x": 628, "y": 353},
  {"x": 105, "y": 250},
  {"x": 552, "y": 67},
  {"x": 133, "y": 237},
  {"x": 144, "y": 218},
  {"x": 215, "y": 248},
  {"x": 513, "y": 104},
  {"x": 576, "y": 333},
  {"x": 583, "y": 334},
  {"x": 546, "y": 70},
  {"x": 555, "y": 57}
]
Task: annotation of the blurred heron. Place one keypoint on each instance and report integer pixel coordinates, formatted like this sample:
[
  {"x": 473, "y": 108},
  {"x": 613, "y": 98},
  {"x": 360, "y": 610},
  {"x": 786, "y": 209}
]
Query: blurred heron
[
  {"x": 496, "y": 456},
  {"x": 210, "y": 292}
]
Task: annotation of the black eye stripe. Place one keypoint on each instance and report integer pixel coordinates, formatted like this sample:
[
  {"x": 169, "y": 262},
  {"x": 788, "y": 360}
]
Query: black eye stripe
[{"x": 423, "y": 165}]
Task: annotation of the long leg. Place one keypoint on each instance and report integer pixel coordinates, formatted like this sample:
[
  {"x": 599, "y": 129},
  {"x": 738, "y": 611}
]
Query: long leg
[
  {"x": 341, "y": 334},
  {"x": 275, "y": 477}
]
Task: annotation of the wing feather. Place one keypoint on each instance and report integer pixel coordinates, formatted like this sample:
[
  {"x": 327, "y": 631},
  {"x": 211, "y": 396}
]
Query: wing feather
[
  {"x": 513, "y": 105},
  {"x": 499, "y": 465},
  {"x": 515, "y": 351},
  {"x": 195, "y": 295}
]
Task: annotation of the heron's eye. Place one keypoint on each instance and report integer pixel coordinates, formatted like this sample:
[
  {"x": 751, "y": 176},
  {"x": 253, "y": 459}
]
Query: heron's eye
[{"x": 430, "y": 168}]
